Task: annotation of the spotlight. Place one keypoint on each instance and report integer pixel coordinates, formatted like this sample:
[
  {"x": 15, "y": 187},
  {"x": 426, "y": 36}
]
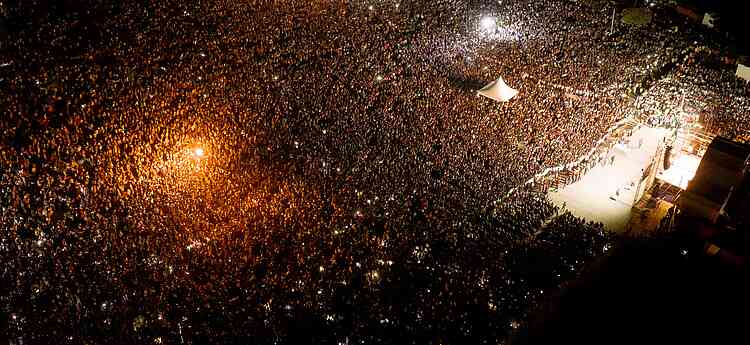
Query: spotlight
[
  {"x": 488, "y": 23},
  {"x": 198, "y": 152}
]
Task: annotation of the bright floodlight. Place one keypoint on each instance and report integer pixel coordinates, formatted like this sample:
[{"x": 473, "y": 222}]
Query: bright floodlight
[
  {"x": 488, "y": 23},
  {"x": 198, "y": 152}
]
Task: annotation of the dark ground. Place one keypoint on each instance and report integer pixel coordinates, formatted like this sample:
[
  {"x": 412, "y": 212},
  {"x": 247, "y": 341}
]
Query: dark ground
[{"x": 651, "y": 292}]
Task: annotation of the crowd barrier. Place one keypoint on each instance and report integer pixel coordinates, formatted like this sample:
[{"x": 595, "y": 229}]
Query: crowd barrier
[{"x": 572, "y": 172}]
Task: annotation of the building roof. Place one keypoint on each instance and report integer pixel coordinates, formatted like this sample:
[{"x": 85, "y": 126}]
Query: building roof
[{"x": 720, "y": 172}]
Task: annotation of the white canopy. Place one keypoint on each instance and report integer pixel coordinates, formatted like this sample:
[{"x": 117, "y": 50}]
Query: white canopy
[{"x": 498, "y": 91}]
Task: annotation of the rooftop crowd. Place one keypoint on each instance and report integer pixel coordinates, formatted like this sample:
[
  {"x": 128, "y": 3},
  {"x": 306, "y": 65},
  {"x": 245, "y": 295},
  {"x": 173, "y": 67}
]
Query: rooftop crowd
[{"x": 349, "y": 187}]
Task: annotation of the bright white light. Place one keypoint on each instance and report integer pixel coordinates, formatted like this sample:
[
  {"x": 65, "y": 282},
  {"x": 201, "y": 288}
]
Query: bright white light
[
  {"x": 198, "y": 152},
  {"x": 488, "y": 23},
  {"x": 682, "y": 170}
]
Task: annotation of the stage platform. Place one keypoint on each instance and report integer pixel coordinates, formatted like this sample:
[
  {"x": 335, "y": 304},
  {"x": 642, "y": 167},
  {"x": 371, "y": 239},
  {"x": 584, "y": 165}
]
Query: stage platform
[{"x": 606, "y": 193}]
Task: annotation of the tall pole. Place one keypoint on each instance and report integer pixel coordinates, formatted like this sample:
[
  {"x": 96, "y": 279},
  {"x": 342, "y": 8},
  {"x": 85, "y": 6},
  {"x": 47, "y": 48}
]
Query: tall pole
[{"x": 612, "y": 26}]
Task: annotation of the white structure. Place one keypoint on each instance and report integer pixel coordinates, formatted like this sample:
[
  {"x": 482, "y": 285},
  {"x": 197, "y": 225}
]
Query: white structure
[
  {"x": 498, "y": 91},
  {"x": 743, "y": 72},
  {"x": 708, "y": 20},
  {"x": 606, "y": 192}
]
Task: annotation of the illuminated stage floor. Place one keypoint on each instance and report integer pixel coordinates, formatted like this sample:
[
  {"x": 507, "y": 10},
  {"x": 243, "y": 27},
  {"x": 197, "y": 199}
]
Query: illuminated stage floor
[{"x": 592, "y": 196}]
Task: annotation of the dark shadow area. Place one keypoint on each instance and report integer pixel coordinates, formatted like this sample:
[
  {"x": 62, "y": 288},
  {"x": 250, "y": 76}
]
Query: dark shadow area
[
  {"x": 464, "y": 84},
  {"x": 732, "y": 18},
  {"x": 663, "y": 290}
]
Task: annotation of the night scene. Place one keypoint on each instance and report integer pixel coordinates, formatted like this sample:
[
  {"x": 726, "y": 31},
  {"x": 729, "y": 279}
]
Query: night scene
[{"x": 360, "y": 172}]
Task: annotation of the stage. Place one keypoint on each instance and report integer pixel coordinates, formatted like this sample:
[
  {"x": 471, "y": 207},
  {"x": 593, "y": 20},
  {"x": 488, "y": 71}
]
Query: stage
[{"x": 606, "y": 192}]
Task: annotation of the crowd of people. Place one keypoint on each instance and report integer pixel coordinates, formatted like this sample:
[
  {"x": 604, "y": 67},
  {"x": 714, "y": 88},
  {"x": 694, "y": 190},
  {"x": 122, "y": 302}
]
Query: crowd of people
[
  {"x": 299, "y": 171},
  {"x": 704, "y": 88}
]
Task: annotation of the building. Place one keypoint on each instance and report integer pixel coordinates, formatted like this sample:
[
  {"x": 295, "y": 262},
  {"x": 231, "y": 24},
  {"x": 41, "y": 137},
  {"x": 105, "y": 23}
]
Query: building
[{"x": 719, "y": 192}]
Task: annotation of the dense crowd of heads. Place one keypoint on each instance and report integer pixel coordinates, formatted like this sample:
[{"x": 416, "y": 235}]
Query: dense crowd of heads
[
  {"x": 299, "y": 171},
  {"x": 705, "y": 87}
]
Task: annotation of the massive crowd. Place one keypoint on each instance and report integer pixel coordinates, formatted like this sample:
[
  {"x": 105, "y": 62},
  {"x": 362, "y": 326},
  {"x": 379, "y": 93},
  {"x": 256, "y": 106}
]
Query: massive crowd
[
  {"x": 703, "y": 87},
  {"x": 299, "y": 171}
]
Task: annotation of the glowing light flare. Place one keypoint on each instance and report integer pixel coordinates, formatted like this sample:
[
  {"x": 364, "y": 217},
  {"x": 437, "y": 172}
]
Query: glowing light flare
[
  {"x": 495, "y": 29},
  {"x": 488, "y": 23},
  {"x": 198, "y": 152},
  {"x": 682, "y": 170}
]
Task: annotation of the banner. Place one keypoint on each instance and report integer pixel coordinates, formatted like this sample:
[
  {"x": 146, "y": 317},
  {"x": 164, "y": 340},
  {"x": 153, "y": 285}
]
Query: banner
[
  {"x": 743, "y": 72},
  {"x": 708, "y": 20}
]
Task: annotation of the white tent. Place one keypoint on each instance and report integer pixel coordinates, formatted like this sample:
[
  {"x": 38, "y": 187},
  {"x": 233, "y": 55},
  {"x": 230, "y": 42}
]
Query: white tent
[{"x": 498, "y": 91}]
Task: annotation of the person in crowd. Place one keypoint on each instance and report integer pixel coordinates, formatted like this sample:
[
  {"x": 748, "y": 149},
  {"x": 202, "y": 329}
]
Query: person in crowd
[{"x": 192, "y": 172}]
